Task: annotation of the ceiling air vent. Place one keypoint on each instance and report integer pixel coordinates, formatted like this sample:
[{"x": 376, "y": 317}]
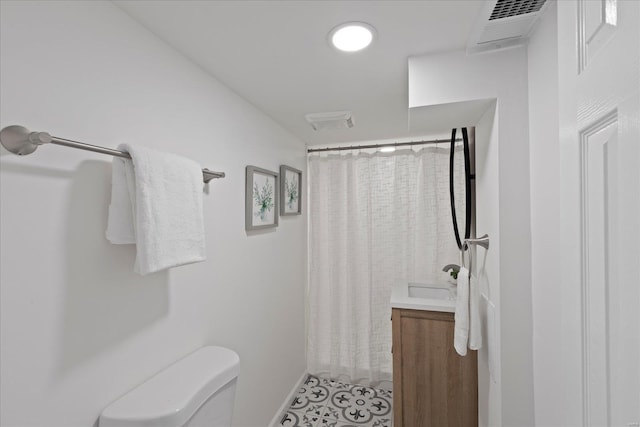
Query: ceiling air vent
[
  {"x": 504, "y": 23},
  {"x": 509, "y": 8},
  {"x": 332, "y": 120}
]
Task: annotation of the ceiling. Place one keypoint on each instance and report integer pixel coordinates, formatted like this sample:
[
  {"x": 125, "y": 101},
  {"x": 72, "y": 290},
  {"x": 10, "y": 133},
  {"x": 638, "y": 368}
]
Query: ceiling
[{"x": 275, "y": 54}]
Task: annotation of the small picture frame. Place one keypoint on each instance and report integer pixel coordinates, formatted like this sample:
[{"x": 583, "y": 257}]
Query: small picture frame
[
  {"x": 290, "y": 191},
  {"x": 261, "y": 199}
]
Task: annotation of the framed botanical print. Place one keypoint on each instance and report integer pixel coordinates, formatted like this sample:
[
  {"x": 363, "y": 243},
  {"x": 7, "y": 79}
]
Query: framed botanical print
[
  {"x": 290, "y": 191},
  {"x": 261, "y": 198}
]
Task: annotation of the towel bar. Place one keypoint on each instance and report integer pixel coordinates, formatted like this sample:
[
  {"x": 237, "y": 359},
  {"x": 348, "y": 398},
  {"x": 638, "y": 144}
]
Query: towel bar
[{"x": 19, "y": 140}]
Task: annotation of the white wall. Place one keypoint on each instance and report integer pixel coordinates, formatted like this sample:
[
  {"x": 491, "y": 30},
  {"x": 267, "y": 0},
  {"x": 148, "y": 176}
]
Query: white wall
[
  {"x": 488, "y": 221},
  {"x": 78, "y": 327},
  {"x": 455, "y": 77},
  {"x": 545, "y": 213}
]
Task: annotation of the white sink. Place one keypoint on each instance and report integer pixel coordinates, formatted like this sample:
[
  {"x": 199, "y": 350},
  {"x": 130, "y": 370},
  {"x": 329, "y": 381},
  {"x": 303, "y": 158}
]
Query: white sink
[
  {"x": 423, "y": 296},
  {"x": 419, "y": 290}
]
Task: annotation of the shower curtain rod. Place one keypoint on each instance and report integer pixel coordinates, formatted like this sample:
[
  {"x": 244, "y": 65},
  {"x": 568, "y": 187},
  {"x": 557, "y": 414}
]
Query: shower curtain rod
[
  {"x": 392, "y": 144},
  {"x": 19, "y": 140}
]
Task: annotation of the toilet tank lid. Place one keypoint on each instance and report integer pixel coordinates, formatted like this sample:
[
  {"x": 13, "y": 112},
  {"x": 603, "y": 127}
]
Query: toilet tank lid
[{"x": 172, "y": 396}]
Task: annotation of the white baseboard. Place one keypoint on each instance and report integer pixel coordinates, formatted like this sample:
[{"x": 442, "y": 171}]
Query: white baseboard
[{"x": 285, "y": 405}]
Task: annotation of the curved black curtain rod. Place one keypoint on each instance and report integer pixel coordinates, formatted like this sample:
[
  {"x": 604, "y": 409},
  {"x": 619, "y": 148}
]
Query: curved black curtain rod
[{"x": 467, "y": 188}]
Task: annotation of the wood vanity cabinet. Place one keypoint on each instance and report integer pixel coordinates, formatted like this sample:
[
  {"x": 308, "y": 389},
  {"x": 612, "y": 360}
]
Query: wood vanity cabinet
[{"x": 432, "y": 385}]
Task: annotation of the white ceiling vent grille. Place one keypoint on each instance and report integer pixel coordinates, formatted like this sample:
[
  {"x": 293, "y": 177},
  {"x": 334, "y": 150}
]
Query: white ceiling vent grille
[
  {"x": 504, "y": 24},
  {"x": 509, "y": 8},
  {"x": 332, "y": 120}
]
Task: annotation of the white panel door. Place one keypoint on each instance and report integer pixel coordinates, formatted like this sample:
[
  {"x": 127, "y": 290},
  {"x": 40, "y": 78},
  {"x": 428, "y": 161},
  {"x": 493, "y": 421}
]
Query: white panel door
[{"x": 599, "y": 64}]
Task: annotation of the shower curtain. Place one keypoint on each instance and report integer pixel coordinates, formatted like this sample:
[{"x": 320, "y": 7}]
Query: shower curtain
[{"x": 374, "y": 220}]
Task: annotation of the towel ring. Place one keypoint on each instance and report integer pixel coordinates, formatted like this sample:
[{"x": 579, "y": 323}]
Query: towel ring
[{"x": 466, "y": 245}]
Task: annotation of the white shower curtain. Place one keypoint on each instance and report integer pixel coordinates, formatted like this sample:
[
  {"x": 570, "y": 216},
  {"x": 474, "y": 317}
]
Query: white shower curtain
[{"x": 374, "y": 220}]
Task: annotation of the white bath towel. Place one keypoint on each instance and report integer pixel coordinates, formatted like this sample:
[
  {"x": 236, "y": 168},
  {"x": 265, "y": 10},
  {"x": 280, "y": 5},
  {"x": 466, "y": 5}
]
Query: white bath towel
[
  {"x": 475, "y": 328},
  {"x": 461, "y": 330},
  {"x": 156, "y": 203}
]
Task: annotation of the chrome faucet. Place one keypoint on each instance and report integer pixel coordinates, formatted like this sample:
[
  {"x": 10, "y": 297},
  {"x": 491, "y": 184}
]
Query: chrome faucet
[{"x": 452, "y": 269}]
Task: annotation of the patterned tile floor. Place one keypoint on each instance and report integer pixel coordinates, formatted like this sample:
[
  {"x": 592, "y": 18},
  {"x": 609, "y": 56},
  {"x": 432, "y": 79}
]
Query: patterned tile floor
[{"x": 328, "y": 403}]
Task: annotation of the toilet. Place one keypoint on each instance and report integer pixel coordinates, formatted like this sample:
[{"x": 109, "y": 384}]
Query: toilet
[{"x": 198, "y": 390}]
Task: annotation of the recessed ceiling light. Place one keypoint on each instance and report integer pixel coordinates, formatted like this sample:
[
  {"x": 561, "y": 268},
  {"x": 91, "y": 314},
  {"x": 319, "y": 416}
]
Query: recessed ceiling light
[
  {"x": 387, "y": 149},
  {"x": 351, "y": 36}
]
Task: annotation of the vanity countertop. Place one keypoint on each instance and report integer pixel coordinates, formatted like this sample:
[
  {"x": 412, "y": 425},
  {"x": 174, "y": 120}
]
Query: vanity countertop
[{"x": 423, "y": 296}]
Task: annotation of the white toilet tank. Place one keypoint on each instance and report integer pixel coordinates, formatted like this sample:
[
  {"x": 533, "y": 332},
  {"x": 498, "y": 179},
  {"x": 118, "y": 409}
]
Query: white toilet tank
[{"x": 197, "y": 390}]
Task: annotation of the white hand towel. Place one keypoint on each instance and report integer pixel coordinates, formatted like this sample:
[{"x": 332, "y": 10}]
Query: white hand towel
[
  {"x": 461, "y": 330},
  {"x": 120, "y": 225},
  {"x": 156, "y": 203},
  {"x": 475, "y": 329}
]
